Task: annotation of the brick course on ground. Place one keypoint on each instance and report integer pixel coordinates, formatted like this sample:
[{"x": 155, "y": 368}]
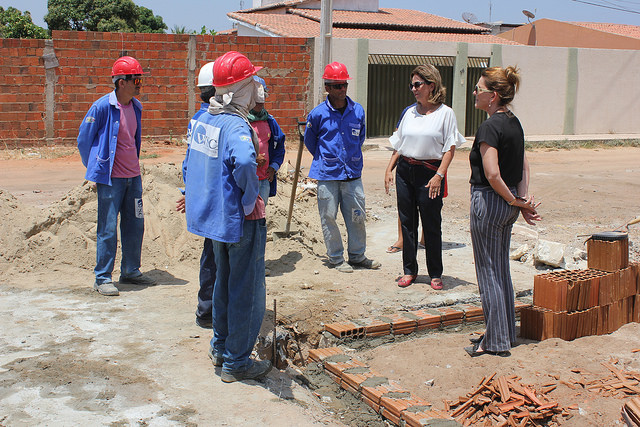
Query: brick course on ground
[{"x": 83, "y": 75}]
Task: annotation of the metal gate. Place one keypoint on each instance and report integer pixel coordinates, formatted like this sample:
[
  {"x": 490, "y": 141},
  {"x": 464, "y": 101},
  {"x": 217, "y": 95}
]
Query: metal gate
[
  {"x": 474, "y": 116},
  {"x": 388, "y": 92}
]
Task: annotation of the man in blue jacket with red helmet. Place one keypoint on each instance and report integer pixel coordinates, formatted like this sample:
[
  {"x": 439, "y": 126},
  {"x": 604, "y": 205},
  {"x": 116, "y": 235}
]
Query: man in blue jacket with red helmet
[
  {"x": 223, "y": 204},
  {"x": 109, "y": 144},
  {"x": 334, "y": 136}
]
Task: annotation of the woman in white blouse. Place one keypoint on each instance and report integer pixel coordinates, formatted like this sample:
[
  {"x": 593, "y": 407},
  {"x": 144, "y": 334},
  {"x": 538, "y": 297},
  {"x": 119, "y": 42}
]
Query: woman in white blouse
[{"x": 423, "y": 144}]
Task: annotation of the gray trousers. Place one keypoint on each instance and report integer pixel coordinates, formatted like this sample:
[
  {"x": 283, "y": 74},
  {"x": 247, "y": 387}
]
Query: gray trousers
[{"x": 491, "y": 222}]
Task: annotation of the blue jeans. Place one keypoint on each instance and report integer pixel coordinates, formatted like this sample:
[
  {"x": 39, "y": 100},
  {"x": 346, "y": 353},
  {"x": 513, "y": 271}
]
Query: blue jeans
[
  {"x": 349, "y": 195},
  {"x": 265, "y": 188},
  {"x": 239, "y": 296},
  {"x": 123, "y": 197},
  {"x": 207, "y": 280}
]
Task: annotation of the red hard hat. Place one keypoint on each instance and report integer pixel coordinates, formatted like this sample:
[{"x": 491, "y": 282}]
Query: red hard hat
[
  {"x": 126, "y": 65},
  {"x": 231, "y": 68},
  {"x": 336, "y": 71}
]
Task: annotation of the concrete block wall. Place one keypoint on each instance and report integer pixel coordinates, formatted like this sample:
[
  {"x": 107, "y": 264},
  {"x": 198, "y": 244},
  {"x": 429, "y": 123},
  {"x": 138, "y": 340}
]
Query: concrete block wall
[{"x": 76, "y": 66}]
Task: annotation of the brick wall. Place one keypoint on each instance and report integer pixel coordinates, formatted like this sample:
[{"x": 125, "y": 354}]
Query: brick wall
[{"x": 82, "y": 75}]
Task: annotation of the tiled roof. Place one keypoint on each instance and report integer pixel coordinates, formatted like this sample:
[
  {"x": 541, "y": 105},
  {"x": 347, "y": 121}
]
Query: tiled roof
[
  {"x": 388, "y": 24},
  {"x": 392, "y": 17},
  {"x": 620, "y": 29}
]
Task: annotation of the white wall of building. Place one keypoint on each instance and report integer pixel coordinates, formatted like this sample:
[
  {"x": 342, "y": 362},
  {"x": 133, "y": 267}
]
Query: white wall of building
[{"x": 564, "y": 90}]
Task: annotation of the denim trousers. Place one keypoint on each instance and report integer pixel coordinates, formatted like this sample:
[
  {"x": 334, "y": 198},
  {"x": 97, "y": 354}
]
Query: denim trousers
[
  {"x": 239, "y": 296},
  {"x": 349, "y": 196},
  {"x": 123, "y": 197},
  {"x": 207, "y": 280},
  {"x": 264, "y": 189},
  {"x": 413, "y": 200}
]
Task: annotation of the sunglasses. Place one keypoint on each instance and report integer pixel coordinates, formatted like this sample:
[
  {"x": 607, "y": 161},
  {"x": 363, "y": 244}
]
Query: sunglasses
[
  {"x": 481, "y": 90},
  {"x": 136, "y": 80},
  {"x": 338, "y": 85},
  {"x": 416, "y": 85}
]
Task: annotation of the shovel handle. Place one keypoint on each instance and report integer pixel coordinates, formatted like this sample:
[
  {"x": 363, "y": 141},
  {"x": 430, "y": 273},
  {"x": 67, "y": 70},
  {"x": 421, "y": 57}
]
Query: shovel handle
[{"x": 296, "y": 174}]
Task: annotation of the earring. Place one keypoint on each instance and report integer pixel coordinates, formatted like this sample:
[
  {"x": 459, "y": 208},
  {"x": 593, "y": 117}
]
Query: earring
[{"x": 489, "y": 104}]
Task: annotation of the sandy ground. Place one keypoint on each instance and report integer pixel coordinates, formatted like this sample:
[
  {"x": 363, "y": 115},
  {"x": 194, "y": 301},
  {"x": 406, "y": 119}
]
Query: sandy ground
[{"x": 69, "y": 355}]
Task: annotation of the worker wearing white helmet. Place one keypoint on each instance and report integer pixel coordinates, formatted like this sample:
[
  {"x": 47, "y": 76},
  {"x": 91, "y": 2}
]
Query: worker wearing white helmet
[{"x": 207, "y": 275}]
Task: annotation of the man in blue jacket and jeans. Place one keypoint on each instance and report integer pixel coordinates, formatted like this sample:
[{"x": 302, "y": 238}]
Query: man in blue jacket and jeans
[
  {"x": 109, "y": 144},
  {"x": 223, "y": 204},
  {"x": 334, "y": 136}
]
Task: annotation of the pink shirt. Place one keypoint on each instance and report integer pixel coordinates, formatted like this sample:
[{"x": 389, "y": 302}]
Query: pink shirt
[
  {"x": 126, "y": 163},
  {"x": 264, "y": 135}
]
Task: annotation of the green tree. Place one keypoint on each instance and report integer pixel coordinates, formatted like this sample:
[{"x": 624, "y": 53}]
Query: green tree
[
  {"x": 102, "y": 15},
  {"x": 14, "y": 25}
]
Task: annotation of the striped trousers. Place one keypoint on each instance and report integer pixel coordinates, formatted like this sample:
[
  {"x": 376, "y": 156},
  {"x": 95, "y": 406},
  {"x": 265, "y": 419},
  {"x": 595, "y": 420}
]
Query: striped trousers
[{"x": 491, "y": 221}]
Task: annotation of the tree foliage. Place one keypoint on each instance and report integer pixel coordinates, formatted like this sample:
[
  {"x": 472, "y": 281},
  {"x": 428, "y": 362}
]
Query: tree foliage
[
  {"x": 14, "y": 25},
  {"x": 102, "y": 15}
]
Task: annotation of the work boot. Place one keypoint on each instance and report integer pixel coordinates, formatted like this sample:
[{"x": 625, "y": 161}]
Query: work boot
[
  {"x": 204, "y": 322},
  {"x": 215, "y": 359},
  {"x": 367, "y": 263},
  {"x": 141, "y": 280},
  {"x": 256, "y": 371},
  {"x": 106, "y": 288},
  {"x": 343, "y": 268}
]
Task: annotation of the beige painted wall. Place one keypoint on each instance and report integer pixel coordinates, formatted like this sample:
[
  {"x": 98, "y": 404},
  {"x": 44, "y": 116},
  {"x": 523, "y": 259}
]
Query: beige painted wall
[{"x": 597, "y": 93}]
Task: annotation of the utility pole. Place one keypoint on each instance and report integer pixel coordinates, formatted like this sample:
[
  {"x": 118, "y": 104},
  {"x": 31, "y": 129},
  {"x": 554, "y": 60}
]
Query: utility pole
[{"x": 326, "y": 26}]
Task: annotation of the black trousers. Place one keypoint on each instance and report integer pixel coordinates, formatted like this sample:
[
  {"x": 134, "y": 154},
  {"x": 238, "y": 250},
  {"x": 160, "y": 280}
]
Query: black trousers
[{"x": 413, "y": 200}]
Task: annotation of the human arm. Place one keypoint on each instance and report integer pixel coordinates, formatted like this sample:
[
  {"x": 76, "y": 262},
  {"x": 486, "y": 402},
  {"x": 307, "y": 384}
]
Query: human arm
[
  {"x": 311, "y": 135},
  {"x": 523, "y": 189},
  {"x": 242, "y": 156},
  {"x": 388, "y": 173},
  {"x": 492, "y": 173},
  {"x": 89, "y": 128},
  {"x": 180, "y": 204},
  {"x": 276, "y": 149},
  {"x": 435, "y": 183}
]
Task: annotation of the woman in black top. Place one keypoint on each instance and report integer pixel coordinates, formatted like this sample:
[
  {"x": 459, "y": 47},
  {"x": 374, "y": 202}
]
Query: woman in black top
[{"x": 499, "y": 193}]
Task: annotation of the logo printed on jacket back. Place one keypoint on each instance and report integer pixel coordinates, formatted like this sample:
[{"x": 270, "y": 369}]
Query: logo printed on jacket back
[{"x": 204, "y": 138}]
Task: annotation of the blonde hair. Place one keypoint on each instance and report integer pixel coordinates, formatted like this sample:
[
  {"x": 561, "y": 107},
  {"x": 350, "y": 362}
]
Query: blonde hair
[
  {"x": 503, "y": 81},
  {"x": 429, "y": 73}
]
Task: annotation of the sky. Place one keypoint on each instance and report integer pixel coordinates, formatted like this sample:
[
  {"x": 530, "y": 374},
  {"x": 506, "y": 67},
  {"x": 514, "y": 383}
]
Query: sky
[{"x": 193, "y": 14}]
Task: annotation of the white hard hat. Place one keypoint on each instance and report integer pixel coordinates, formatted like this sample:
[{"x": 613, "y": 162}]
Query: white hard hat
[{"x": 205, "y": 76}]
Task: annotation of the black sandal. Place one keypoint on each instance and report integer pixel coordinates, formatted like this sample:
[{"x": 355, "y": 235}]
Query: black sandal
[
  {"x": 476, "y": 340},
  {"x": 472, "y": 351}
]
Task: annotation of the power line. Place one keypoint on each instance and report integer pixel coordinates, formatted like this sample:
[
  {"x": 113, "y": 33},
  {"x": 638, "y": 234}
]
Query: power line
[{"x": 607, "y": 7}]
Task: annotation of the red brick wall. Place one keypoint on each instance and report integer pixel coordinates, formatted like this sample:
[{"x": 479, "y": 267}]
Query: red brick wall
[
  {"x": 21, "y": 91},
  {"x": 83, "y": 75}
]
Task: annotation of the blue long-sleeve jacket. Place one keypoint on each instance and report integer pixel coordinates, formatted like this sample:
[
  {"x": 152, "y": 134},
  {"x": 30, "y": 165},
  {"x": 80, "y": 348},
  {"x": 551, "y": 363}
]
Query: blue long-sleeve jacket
[
  {"x": 276, "y": 151},
  {"x": 98, "y": 137},
  {"x": 222, "y": 185},
  {"x": 204, "y": 107},
  {"x": 335, "y": 141}
]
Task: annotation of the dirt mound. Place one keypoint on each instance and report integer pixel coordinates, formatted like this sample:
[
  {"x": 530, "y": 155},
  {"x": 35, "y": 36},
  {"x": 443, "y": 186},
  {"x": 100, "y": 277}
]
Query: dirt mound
[{"x": 34, "y": 240}]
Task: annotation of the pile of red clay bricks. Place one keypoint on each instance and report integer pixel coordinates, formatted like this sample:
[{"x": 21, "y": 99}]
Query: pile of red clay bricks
[
  {"x": 503, "y": 401},
  {"x": 406, "y": 322},
  {"x": 384, "y": 396},
  {"x": 631, "y": 412},
  {"x": 569, "y": 304}
]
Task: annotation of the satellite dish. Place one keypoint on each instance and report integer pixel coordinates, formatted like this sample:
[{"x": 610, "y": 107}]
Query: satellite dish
[
  {"x": 469, "y": 17},
  {"x": 528, "y": 15}
]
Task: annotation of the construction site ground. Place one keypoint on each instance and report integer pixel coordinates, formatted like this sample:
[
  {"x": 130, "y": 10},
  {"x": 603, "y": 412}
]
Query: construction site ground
[{"x": 70, "y": 356}]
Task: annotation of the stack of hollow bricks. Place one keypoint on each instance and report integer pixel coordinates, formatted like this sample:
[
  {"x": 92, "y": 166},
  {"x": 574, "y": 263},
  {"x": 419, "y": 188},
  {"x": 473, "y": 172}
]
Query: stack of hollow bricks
[
  {"x": 31, "y": 96},
  {"x": 406, "y": 322},
  {"x": 384, "y": 396},
  {"x": 570, "y": 304}
]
